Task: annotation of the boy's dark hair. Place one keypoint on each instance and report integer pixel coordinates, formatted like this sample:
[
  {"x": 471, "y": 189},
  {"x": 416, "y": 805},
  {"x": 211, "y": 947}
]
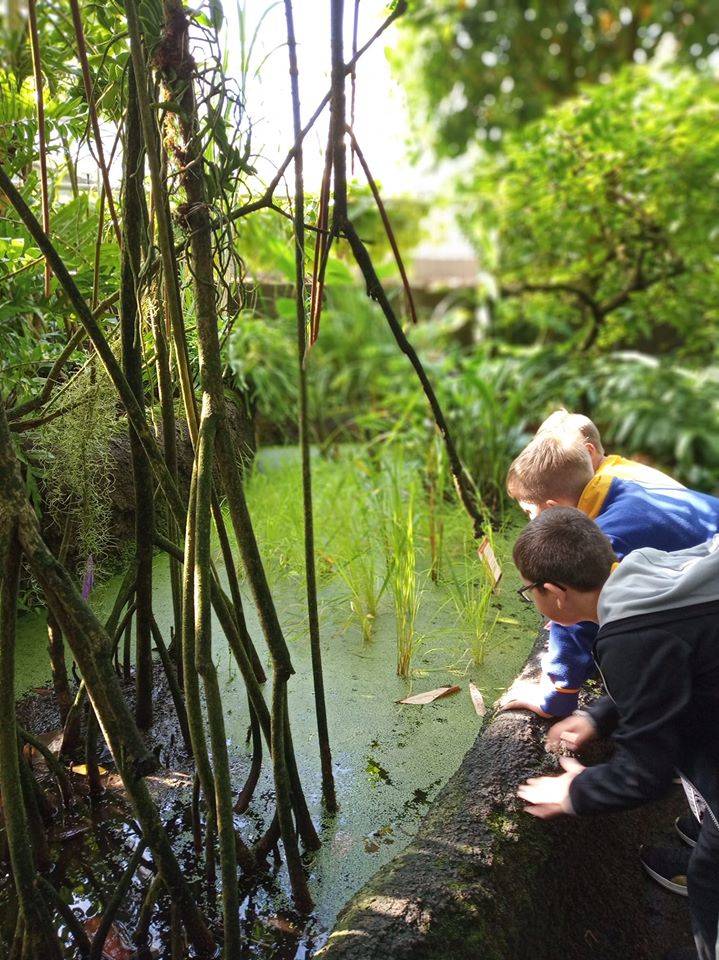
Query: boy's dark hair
[{"x": 565, "y": 547}]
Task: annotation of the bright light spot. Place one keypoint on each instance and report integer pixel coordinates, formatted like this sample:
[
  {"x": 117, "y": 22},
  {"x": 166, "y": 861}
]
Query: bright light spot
[
  {"x": 625, "y": 16},
  {"x": 507, "y": 84},
  {"x": 489, "y": 58},
  {"x": 464, "y": 40},
  {"x": 530, "y": 14}
]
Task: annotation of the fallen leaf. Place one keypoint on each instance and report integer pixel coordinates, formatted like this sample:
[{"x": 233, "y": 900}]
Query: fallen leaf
[
  {"x": 81, "y": 769},
  {"x": 429, "y": 696},
  {"x": 52, "y": 739},
  {"x": 477, "y": 699},
  {"x": 115, "y": 946},
  {"x": 72, "y": 832},
  {"x": 486, "y": 554}
]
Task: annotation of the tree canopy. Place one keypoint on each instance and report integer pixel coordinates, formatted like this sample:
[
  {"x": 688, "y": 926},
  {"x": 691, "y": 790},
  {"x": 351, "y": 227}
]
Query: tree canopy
[
  {"x": 599, "y": 221},
  {"x": 474, "y": 70}
]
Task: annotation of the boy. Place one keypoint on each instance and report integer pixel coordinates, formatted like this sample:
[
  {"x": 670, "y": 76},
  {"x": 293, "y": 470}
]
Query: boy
[
  {"x": 563, "y": 423},
  {"x": 556, "y": 470},
  {"x": 658, "y": 652}
]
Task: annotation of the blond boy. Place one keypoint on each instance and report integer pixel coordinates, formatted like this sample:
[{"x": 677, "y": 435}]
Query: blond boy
[{"x": 557, "y": 469}]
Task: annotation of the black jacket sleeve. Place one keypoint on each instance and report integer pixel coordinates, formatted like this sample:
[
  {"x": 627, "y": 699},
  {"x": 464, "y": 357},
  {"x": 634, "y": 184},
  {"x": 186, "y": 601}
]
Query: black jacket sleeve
[
  {"x": 603, "y": 713},
  {"x": 648, "y": 675}
]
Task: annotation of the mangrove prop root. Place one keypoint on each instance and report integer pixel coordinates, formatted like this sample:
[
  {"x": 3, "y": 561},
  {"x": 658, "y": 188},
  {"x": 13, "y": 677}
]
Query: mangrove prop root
[
  {"x": 82, "y": 941},
  {"x": 53, "y": 764},
  {"x": 92, "y": 650},
  {"x": 134, "y": 227},
  {"x": 38, "y": 926},
  {"x": 247, "y": 792},
  {"x": 174, "y": 51},
  {"x": 343, "y": 226},
  {"x": 206, "y": 669},
  {"x": 328, "y": 784},
  {"x": 110, "y": 912},
  {"x": 172, "y": 683},
  {"x": 193, "y": 704},
  {"x": 298, "y": 881}
]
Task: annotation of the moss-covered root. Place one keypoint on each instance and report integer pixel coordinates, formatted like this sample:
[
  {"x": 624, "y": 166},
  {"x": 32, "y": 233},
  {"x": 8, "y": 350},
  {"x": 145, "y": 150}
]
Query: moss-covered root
[
  {"x": 92, "y": 650},
  {"x": 39, "y": 937},
  {"x": 230, "y": 846}
]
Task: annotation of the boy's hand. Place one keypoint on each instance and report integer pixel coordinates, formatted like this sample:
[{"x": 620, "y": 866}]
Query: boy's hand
[
  {"x": 572, "y": 733},
  {"x": 549, "y": 796},
  {"x": 523, "y": 695}
]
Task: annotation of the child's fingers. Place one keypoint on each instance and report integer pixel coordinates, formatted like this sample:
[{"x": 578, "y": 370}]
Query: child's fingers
[
  {"x": 571, "y": 765},
  {"x": 543, "y": 810}
]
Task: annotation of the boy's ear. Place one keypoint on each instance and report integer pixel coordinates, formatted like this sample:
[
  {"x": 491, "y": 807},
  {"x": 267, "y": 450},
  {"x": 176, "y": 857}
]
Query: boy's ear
[
  {"x": 552, "y": 503},
  {"x": 557, "y": 592}
]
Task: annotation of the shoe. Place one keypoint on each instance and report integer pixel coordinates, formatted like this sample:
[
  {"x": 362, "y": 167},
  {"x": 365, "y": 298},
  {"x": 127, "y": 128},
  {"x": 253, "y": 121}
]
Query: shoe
[
  {"x": 688, "y": 828},
  {"x": 668, "y": 866}
]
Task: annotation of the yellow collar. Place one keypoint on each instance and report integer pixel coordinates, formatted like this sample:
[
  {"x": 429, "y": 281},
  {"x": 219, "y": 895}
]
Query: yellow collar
[{"x": 595, "y": 492}]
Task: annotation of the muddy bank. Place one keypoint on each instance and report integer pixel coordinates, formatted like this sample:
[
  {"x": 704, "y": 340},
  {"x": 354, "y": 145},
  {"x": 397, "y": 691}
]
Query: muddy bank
[{"x": 483, "y": 881}]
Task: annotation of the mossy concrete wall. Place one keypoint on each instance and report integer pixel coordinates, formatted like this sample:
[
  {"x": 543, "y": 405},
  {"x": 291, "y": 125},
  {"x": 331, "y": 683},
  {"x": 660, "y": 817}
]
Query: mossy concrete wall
[{"x": 484, "y": 881}]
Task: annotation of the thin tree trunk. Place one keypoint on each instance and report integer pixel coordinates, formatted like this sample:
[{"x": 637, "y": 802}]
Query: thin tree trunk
[
  {"x": 173, "y": 299},
  {"x": 193, "y": 703},
  {"x": 56, "y": 649},
  {"x": 206, "y": 669},
  {"x": 169, "y": 448},
  {"x": 328, "y": 784},
  {"x": 178, "y": 76},
  {"x": 134, "y": 223},
  {"x": 42, "y": 145},
  {"x": 300, "y": 891}
]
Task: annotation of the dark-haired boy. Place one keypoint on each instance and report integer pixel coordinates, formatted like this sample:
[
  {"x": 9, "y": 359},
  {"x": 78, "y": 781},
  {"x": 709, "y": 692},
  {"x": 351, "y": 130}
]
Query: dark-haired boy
[
  {"x": 658, "y": 653},
  {"x": 556, "y": 469}
]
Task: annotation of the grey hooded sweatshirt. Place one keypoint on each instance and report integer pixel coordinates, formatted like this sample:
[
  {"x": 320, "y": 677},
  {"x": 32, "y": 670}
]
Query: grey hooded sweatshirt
[{"x": 658, "y": 652}]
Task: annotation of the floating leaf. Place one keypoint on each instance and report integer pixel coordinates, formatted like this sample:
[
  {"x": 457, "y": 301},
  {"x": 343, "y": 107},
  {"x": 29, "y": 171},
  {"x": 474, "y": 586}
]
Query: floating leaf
[
  {"x": 429, "y": 696},
  {"x": 81, "y": 769},
  {"x": 477, "y": 700}
]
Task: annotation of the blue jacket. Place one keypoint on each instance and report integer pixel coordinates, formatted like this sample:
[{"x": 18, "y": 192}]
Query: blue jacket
[{"x": 631, "y": 515}]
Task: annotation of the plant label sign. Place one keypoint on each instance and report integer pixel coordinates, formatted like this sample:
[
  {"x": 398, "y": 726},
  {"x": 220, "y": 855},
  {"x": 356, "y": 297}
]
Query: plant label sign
[{"x": 486, "y": 555}]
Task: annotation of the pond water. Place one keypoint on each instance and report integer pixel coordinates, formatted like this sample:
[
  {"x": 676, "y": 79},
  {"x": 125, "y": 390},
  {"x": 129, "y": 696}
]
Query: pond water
[{"x": 390, "y": 760}]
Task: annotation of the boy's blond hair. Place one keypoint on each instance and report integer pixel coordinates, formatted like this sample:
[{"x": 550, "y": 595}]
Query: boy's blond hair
[
  {"x": 551, "y": 466},
  {"x": 563, "y": 422}
]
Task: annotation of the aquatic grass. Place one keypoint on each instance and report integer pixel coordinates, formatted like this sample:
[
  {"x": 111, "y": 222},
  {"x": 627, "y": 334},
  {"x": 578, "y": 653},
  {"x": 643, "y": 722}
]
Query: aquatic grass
[
  {"x": 361, "y": 575},
  {"x": 436, "y": 474},
  {"x": 471, "y": 591},
  {"x": 401, "y": 560}
]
